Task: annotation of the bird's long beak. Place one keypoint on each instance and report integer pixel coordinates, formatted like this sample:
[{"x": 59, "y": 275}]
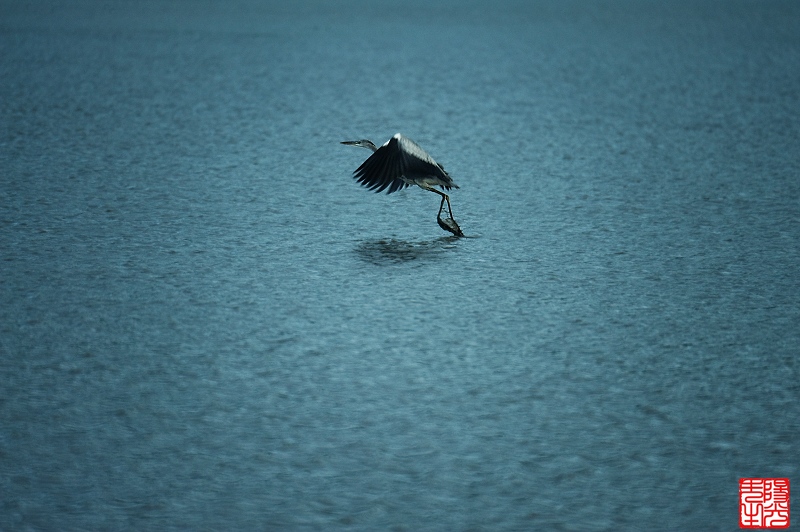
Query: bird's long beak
[{"x": 349, "y": 142}]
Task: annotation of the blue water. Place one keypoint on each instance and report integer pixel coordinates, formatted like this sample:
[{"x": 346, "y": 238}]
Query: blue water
[{"x": 205, "y": 323}]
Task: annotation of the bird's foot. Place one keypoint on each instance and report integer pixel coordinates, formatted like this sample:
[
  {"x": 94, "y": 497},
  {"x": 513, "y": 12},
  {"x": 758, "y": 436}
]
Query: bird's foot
[{"x": 448, "y": 224}]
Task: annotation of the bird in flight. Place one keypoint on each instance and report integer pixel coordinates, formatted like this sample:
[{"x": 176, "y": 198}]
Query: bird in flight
[{"x": 400, "y": 163}]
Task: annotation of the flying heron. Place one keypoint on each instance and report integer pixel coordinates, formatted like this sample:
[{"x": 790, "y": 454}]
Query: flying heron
[{"x": 400, "y": 163}]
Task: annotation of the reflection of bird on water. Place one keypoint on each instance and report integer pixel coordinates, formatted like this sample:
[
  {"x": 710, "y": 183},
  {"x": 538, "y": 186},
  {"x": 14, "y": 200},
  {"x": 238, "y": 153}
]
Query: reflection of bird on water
[
  {"x": 392, "y": 251},
  {"x": 401, "y": 162}
]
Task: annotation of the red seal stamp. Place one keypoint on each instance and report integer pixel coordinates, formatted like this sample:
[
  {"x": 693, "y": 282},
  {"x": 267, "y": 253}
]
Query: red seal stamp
[{"x": 764, "y": 503}]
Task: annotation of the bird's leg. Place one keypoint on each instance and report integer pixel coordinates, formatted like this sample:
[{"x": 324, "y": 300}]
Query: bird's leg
[
  {"x": 441, "y": 206},
  {"x": 446, "y": 198},
  {"x": 449, "y": 209},
  {"x": 450, "y": 224}
]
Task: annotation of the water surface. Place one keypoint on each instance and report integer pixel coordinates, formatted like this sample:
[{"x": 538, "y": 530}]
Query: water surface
[{"x": 205, "y": 323}]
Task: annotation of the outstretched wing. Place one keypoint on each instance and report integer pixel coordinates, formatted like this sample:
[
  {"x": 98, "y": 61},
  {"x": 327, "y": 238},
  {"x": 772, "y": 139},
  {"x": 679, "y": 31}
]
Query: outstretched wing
[
  {"x": 418, "y": 164},
  {"x": 383, "y": 168},
  {"x": 399, "y": 163}
]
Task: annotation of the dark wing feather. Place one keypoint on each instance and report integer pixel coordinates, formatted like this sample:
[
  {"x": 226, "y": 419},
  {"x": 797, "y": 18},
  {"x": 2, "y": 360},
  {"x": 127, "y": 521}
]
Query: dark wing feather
[
  {"x": 414, "y": 166},
  {"x": 397, "y": 170},
  {"x": 382, "y": 169},
  {"x": 367, "y": 169},
  {"x": 385, "y": 173},
  {"x": 417, "y": 163}
]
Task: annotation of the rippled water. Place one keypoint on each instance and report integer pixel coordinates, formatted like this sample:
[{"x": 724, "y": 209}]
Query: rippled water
[{"x": 205, "y": 323}]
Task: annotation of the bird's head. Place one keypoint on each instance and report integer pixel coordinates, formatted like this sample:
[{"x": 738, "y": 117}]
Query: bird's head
[{"x": 363, "y": 143}]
